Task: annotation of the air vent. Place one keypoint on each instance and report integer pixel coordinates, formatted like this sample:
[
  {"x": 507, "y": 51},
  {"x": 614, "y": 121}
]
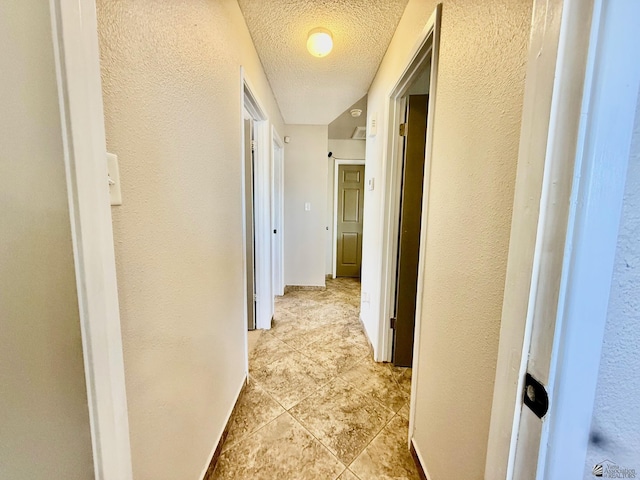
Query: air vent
[{"x": 360, "y": 133}]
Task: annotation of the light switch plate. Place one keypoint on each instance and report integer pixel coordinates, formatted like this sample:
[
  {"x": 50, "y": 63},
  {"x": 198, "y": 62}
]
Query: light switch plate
[
  {"x": 370, "y": 183},
  {"x": 114, "y": 179},
  {"x": 373, "y": 124},
  {"x": 307, "y": 207}
]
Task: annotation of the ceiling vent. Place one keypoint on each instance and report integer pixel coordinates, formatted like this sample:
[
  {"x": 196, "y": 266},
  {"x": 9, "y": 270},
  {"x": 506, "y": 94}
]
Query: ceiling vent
[{"x": 360, "y": 133}]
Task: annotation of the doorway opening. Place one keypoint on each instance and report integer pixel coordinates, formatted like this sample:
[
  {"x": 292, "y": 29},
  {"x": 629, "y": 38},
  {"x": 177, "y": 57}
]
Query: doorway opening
[
  {"x": 411, "y": 114},
  {"x": 413, "y": 131},
  {"x": 257, "y": 201}
]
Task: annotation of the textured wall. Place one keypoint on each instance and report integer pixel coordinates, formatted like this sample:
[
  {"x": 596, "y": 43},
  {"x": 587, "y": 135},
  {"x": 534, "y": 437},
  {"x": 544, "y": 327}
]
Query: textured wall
[
  {"x": 476, "y": 133},
  {"x": 342, "y": 150},
  {"x": 172, "y": 95},
  {"x": 305, "y": 180},
  {"x": 616, "y": 417},
  {"x": 44, "y": 417}
]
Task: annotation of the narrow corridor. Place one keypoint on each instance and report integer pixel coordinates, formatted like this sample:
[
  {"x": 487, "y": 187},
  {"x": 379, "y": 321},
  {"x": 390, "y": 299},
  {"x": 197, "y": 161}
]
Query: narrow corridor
[{"x": 316, "y": 402}]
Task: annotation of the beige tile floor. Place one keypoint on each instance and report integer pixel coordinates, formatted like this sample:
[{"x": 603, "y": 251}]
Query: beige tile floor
[{"x": 317, "y": 406}]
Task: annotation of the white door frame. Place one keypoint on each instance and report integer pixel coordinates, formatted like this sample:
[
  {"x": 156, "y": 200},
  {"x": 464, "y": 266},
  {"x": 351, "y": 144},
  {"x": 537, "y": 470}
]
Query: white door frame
[
  {"x": 609, "y": 111},
  {"x": 262, "y": 204},
  {"x": 336, "y": 164},
  {"x": 75, "y": 39},
  {"x": 277, "y": 219},
  {"x": 426, "y": 47},
  {"x": 568, "y": 265}
]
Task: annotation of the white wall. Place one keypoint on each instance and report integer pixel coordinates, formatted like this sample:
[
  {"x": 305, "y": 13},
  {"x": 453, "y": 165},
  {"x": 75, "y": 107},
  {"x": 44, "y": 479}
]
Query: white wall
[
  {"x": 478, "y": 108},
  {"x": 305, "y": 181},
  {"x": 44, "y": 416},
  {"x": 173, "y": 107},
  {"x": 342, "y": 150},
  {"x": 616, "y": 418}
]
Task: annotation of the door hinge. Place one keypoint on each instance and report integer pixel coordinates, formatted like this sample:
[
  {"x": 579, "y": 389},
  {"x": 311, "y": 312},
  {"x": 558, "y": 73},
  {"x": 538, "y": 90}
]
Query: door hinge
[
  {"x": 255, "y": 297},
  {"x": 392, "y": 322},
  {"x": 253, "y": 145},
  {"x": 403, "y": 130}
]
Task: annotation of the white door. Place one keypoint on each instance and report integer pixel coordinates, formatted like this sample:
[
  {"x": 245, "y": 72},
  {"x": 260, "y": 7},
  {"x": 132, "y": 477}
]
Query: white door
[
  {"x": 576, "y": 240},
  {"x": 277, "y": 216}
]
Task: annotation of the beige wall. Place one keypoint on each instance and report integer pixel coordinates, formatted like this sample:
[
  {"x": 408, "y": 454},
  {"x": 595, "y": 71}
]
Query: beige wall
[
  {"x": 44, "y": 417},
  {"x": 172, "y": 95},
  {"x": 478, "y": 108},
  {"x": 305, "y": 181}
]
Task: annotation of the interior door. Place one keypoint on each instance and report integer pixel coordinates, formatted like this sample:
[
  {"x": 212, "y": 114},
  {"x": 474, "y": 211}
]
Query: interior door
[
  {"x": 278, "y": 182},
  {"x": 415, "y": 134},
  {"x": 349, "y": 231},
  {"x": 249, "y": 219}
]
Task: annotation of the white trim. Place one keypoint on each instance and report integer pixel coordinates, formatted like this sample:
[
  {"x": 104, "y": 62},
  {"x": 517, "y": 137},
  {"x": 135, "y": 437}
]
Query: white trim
[
  {"x": 524, "y": 261},
  {"x": 75, "y": 40},
  {"x": 262, "y": 205},
  {"x": 426, "y": 47},
  {"x": 245, "y": 381},
  {"x": 434, "y": 22},
  {"x": 609, "y": 111},
  {"x": 553, "y": 136},
  {"x": 336, "y": 163}
]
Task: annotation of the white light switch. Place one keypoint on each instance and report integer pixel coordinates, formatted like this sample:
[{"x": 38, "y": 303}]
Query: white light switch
[
  {"x": 373, "y": 124},
  {"x": 370, "y": 183},
  {"x": 114, "y": 179},
  {"x": 307, "y": 207}
]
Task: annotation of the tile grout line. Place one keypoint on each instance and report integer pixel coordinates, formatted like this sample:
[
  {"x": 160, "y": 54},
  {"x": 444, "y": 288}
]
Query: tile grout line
[{"x": 333, "y": 326}]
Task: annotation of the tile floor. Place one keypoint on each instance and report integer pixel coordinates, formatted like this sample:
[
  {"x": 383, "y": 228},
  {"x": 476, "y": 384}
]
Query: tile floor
[{"x": 317, "y": 406}]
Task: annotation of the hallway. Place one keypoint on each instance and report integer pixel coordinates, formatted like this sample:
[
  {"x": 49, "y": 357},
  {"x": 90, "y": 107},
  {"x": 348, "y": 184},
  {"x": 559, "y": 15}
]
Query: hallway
[{"x": 316, "y": 401}]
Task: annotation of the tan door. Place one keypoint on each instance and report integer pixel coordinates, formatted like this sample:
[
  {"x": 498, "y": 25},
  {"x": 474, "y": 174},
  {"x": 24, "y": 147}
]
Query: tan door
[
  {"x": 350, "y": 204},
  {"x": 409, "y": 237}
]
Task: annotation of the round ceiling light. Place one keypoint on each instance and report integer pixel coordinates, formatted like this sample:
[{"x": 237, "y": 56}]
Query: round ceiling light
[
  {"x": 320, "y": 42},
  {"x": 356, "y": 112}
]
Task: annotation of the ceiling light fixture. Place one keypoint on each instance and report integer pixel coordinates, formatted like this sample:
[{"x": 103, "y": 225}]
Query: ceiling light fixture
[
  {"x": 319, "y": 42},
  {"x": 356, "y": 112}
]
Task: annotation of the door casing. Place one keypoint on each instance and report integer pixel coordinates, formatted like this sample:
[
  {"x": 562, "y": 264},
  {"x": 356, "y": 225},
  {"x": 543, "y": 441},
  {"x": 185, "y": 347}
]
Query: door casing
[
  {"x": 262, "y": 201},
  {"x": 560, "y": 329},
  {"x": 77, "y": 58},
  {"x": 426, "y": 49}
]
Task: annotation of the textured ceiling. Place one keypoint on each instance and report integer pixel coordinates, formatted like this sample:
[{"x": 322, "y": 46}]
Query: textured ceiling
[{"x": 312, "y": 90}]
